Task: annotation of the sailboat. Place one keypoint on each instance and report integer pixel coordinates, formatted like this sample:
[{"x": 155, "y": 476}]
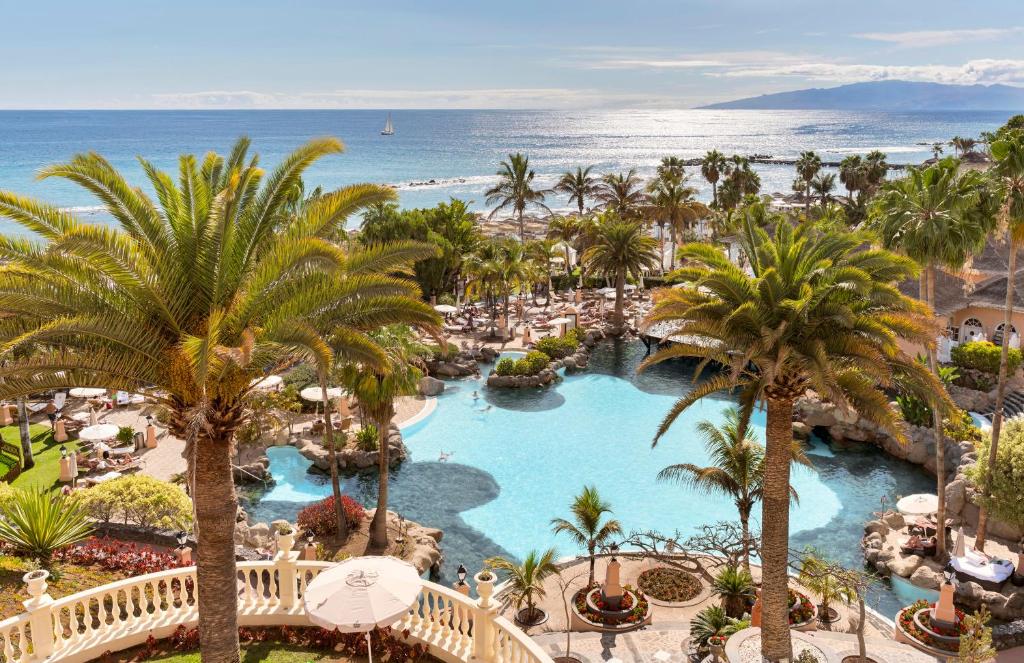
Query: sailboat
[{"x": 388, "y": 129}]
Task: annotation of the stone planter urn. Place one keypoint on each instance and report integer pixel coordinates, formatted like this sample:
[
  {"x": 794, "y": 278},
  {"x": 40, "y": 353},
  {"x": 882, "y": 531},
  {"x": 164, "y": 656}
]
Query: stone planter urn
[
  {"x": 286, "y": 541},
  {"x": 484, "y": 586},
  {"x": 36, "y": 582}
]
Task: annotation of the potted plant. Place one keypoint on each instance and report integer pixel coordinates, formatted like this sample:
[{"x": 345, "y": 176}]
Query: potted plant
[
  {"x": 526, "y": 583},
  {"x": 735, "y": 587},
  {"x": 285, "y": 537},
  {"x": 125, "y": 435}
]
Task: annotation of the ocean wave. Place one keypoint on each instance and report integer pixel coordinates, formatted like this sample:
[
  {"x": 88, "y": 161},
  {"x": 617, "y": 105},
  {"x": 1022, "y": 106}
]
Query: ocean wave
[{"x": 444, "y": 182}]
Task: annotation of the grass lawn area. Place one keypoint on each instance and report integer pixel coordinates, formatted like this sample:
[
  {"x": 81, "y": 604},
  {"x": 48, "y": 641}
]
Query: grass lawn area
[
  {"x": 262, "y": 652},
  {"x": 73, "y": 579},
  {"x": 46, "y": 452}
]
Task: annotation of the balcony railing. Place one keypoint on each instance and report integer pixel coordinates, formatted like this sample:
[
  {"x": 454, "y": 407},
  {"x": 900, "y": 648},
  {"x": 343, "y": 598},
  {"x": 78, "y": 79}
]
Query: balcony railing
[{"x": 80, "y": 627}]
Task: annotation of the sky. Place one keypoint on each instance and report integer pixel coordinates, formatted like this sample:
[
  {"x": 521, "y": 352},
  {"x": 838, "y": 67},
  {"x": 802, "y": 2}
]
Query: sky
[{"x": 67, "y": 54}]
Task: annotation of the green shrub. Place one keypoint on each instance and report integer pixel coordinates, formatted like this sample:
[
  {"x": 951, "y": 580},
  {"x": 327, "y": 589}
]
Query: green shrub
[
  {"x": 960, "y": 427},
  {"x": 125, "y": 434},
  {"x": 1006, "y": 501},
  {"x": 6, "y": 495},
  {"x": 558, "y": 348},
  {"x": 435, "y": 350},
  {"x": 506, "y": 366},
  {"x": 300, "y": 376},
  {"x": 985, "y": 356},
  {"x": 138, "y": 499},
  {"x": 37, "y": 523},
  {"x": 366, "y": 438},
  {"x": 537, "y": 361}
]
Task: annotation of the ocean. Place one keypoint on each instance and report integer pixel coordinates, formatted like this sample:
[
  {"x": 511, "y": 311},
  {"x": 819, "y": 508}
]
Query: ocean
[{"x": 459, "y": 149}]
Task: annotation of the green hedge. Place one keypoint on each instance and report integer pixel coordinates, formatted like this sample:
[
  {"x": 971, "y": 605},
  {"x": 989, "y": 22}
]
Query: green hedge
[
  {"x": 532, "y": 364},
  {"x": 985, "y": 356},
  {"x": 559, "y": 348}
]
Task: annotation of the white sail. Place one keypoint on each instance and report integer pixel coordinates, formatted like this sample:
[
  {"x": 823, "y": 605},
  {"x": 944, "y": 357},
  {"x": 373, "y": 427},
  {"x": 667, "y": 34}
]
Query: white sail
[{"x": 388, "y": 129}]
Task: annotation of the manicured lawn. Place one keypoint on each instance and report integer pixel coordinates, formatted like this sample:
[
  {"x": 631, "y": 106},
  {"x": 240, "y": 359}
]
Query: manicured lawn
[
  {"x": 265, "y": 652},
  {"x": 46, "y": 452}
]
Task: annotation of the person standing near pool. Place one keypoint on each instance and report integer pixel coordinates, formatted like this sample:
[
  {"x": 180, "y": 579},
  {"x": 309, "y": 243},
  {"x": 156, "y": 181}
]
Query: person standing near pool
[{"x": 51, "y": 413}]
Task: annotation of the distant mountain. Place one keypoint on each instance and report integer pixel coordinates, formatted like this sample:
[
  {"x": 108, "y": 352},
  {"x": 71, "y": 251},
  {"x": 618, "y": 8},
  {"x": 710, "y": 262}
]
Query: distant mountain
[{"x": 890, "y": 96}]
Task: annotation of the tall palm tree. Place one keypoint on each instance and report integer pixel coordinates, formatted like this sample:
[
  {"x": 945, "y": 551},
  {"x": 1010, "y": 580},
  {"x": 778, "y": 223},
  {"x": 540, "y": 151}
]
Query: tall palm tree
[
  {"x": 376, "y": 386},
  {"x": 189, "y": 299},
  {"x": 543, "y": 252},
  {"x": 737, "y": 468},
  {"x": 807, "y": 166},
  {"x": 565, "y": 230},
  {"x": 712, "y": 166},
  {"x": 814, "y": 312},
  {"x": 672, "y": 202},
  {"x": 526, "y": 580},
  {"x": 961, "y": 145},
  {"x": 515, "y": 190},
  {"x": 852, "y": 174},
  {"x": 936, "y": 150},
  {"x": 1008, "y": 172},
  {"x": 672, "y": 167},
  {"x": 620, "y": 249},
  {"x": 741, "y": 177},
  {"x": 823, "y": 184},
  {"x": 580, "y": 186},
  {"x": 622, "y": 193},
  {"x": 586, "y": 528},
  {"x": 28, "y": 460},
  {"x": 939, "y": 218}
]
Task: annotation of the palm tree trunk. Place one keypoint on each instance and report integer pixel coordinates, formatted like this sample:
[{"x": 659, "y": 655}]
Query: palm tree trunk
[
  {"x": 807, "y": 199},
  {"x": 216, "y": 505},
  {"x": 522, "y": 227},
  {"x": 745, "y": 526},
  {"x": 661, "y": 247},
  {"x": 28, "y": 461},
  {"x": 379, "y": 524},
  {"x": 940, "y": 442},
  {"x": 862, "y": 647},
  {"x": 590, "y": 578},
  {"x": 672, "y": 258},
  {"x": 339, "y": 509},
  {"x": 997, "y": 415},
  {"x": 620, "y": 287},
  {"x": 775, "y": 640},
  {"x": 714, "y": 193}
]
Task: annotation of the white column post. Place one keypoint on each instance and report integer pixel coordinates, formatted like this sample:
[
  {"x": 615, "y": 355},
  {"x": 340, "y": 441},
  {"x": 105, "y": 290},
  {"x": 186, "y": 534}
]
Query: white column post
[
  {"x": 285, "y": 563},
  {"x": 483, "y": 617},
  {"x": 38, "y": 608}
]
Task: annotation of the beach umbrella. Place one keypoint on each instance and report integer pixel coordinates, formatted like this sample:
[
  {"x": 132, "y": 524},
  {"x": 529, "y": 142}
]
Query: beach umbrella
[
  {"x": 315, "y": 394},
  {"x": 98, "y": 432},
  {"x": 919, "y": 504},
  {"x": 93, "y": 417},
  {"x": 86, "y": 392},
  {"x": 960, "y": 550},
  {"x": 269, "y": 383},
  {"x": 361, "y": 594},
  {"x": 445, "y": 309}
]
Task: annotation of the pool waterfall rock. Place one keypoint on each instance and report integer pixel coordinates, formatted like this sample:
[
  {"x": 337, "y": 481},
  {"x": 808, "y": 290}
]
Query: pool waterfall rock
[
  {"x": 577, "y": 361},
  {"x": 351, "y": 458}
]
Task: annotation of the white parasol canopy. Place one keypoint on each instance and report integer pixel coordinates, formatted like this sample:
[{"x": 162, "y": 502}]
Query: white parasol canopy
[
  {"x": 362, "y": 593},
  {"x": 559, "y": 321},
  {"x": 960, "y": 549},
  {"x": 98, "y": 432},
  {"x": 269, "y": 383},
  {"x": 445, "y": 308},
  {"x": 920, "y": 504},
  {"x": 87, "y": 392},
  {"x": 315, "y": 394}
]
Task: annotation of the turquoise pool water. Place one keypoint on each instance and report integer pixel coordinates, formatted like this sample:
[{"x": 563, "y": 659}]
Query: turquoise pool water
[{"x": 517, "y": 458}]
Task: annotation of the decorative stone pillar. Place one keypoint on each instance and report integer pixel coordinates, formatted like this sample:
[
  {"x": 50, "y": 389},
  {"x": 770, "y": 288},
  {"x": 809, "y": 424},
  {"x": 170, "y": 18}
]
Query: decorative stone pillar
[
  {"x": 38, "y": 608},
  {"x": 611, "y": 591},
  {"x": 60, "y": 433},
  {"x": 5, "y": 414},
  {"x": 483, "y": 617},
  {"x": 309, "y": 552},
  {"x": 151, "y": 436},
  {"x": 184, "y": 555},
  {"x": 461, "y": 587},
  {"x": 67, "y": 474},
  {"x": 284, "y": 564}
]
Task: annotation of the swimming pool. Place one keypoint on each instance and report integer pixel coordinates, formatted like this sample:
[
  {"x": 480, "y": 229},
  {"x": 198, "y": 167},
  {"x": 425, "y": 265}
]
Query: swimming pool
[{"x": 517, "y": 458}]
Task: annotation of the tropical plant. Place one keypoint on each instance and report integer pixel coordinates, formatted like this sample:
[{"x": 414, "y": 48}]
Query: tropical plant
[
  {"x": 1008, "y": 172},
  {"x": 366, "y": 438},
  {"x": 376, "y": 386},
  {"x": 712, "y": 621},
  {"x": 735, "y": 586},
  {"x": 622, "y": 193},
  {"x": 138, "y": 499},
  {"x": 515, "y": 190},
  {"x": 1003, "y": 498},
  {"x": 620, "y": 249},
  {"x": 526, "y": 580},
  {"x": 741, "y": 183},
  {"x": 28, "y": 460},
  {"x": 737, "y": 468},
  {"x": 985, "y": 356},
  {"x": 672, "y": 202},
  {"x": 939, "y": 217},
  {"x": 823, "y": 184},
  {"x": 813, "y": 311},
  {"x": 37, "y": 523},
  {"x": 673, "y": 167},
  {"x": 565, "y": 230},
  {"x": 976, "y": 638},
  {"x": 807, "y": 167},
  {"x": 191, "y": 298},
  {"x": 936, "y": 150},
  {"x": 815, "y": 575},
  {"x": 586, "y": 528},
  {"x": 712, "y": 167},
  {"x": 319, "y": 517},
  {"x": 579, "y": 185},
  {"x": 962, "y": 145}
]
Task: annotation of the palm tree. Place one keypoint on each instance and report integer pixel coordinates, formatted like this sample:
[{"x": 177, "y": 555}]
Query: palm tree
[
  {"x": 1008, "y": 172},
  {"x": 580, "y": 186},
  {"x": 28, "y": 460},
  {"x": 376, "y": 386},
  {"x": 515, "y": 190},
  {"x": 622, "y": 193},
  {"x": 852, "y": 174},
  {"x": 672, "y": 167},
  {"x": 814, "y": 311},
  {"x": 526, "y": 580},
  {"x": 962, "y": 146},
  {"x": 807, "y": 166},
  {"x": 586, "y": 528},
  {"x": 737, "y": 468},
  {"x": 815, "y": 576},
  {"x": 543, "y": 252},
  {"x": 712, "y": 167},
  {"x": 620, "y": 249},
  {"x": 939, "y": 218},
  {"x": 672, "y": 202},
  {"x": 823, "y": 185},
  {"x": 735, "y": 586},
  {"x": 936, "y": 150},
  {"x": 565, "y": 230},
  {"x": 189, "y": 299}
]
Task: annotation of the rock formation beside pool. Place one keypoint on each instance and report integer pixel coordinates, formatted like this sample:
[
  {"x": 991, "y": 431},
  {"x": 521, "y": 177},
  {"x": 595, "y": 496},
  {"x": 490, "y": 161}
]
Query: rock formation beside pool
[{"x": 350, "y": 457}]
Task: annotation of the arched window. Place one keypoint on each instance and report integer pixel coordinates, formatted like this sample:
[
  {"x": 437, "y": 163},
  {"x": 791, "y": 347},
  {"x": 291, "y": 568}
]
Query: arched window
[
  {"x": 997, "y": 337},
  {"x": 971, "y": 330}
]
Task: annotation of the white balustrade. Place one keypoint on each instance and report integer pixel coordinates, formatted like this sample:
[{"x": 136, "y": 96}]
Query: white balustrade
[{"x": 80, "y": 627}]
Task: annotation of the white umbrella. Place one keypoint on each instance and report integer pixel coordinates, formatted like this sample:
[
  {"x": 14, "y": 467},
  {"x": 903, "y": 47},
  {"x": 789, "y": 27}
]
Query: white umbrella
[
  {"x": 87, "y": 392},
  {"x": 559, "y": 321},
  {"x": 629, "y": 287},
  {"x": 445, "y": 308},
  {"x": 960, "y": 549},
  {"x": 269, "y": 383},
  {"x": 605, "y": 291},
  {"x": 98, "y": 432},
  {"x": 609, "y": 295},
  {"x": 920, "y": 504},
  {"x": 316, "y": 394},
  {"x": 361, "y": 594}
]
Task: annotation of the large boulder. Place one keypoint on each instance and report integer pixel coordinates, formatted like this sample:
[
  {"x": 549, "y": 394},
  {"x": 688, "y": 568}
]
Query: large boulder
[
  {"x": 956, "y": 496},
  {"x": 488, "y": 354},
  {"x": 905, "y": 565},
  {"x": 927, "y": 577},
  {"x": 429, "y": 386}
]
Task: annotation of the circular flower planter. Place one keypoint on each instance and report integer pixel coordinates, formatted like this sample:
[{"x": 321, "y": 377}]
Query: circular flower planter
[
  {"x": 672, "y": 588},
  {"x": 914, "y": 627},
  {"x": 590, "y": 613}
]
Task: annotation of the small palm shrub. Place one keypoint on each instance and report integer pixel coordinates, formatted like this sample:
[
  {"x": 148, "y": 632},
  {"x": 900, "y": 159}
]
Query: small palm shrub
[
  {"x": 735, "y": 587},
  {"x": 526, "y": 580},
  {"x": 37, "y": 523},
  {"x": 319, "y": 517},
  {"x": 125, "y": 434},
  {"x": 367, "y": 438},
  {"x": 985, "y": 356},
  {"x": 712, "y": 621}
]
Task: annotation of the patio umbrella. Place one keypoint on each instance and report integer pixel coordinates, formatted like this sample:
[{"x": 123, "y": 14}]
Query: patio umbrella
[
  {"x": 98, "y": 432},
  {"x": 93, "y": 417},
  {"x": 960, "y": 550},
  {"x": 86, "y": 392},
  {"x": 919, "y": 504},
  {"x": 445, "y": 309},
  {"x": 315, "y": 394},
  {"x": 269, "y": 383},
  {"x": 361, "y": 594}
]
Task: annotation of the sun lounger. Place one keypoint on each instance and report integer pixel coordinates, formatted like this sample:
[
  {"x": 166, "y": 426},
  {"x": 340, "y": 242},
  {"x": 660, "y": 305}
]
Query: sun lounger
[
  {"x": 915, "y": 545},
  {"x": 975, "y": 567},
  {"x": 93, "y": 481}
]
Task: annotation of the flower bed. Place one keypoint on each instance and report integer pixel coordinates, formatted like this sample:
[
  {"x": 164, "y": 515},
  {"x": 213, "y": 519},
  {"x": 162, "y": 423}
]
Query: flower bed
[
  {"x": 665, "y": 584},
  {"x": 801, "y": 608},
  {"x": 111, "y": 555},
  {"x": 633, "y": 609},
  {"x": 921, "y": 610}
]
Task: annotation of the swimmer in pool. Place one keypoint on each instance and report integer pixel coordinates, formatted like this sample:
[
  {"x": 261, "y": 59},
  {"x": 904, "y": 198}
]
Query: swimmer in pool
[
  {"x": 445, "y": 455},
  {"x": 476, "y": 395}
]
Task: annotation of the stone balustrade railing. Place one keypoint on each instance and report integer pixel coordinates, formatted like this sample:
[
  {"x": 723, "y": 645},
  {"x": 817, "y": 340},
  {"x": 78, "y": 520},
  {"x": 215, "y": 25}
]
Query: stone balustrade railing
[{"x": 80, "y": 627}]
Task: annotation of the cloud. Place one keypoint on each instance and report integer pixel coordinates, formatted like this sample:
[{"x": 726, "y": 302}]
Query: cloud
[
  {"x": 710, "y": 60},
  {"x": 986, "y": 71},
  {"x": 925, "y": 38}
]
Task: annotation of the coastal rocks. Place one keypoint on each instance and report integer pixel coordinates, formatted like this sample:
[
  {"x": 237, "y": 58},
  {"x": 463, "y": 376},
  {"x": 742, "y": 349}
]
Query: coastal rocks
[
  {"x": 350, "y": 457},
  {"x": 904, "y": 565},
  {"x": 429, "y": 386},
  {"x": 592, "y": 337},
  {"x": 971, "y": 400},
  {"x": 801, "y": 431},
  {"x": 453, "y": 369},
  {"x": 422, "y": 547}
]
